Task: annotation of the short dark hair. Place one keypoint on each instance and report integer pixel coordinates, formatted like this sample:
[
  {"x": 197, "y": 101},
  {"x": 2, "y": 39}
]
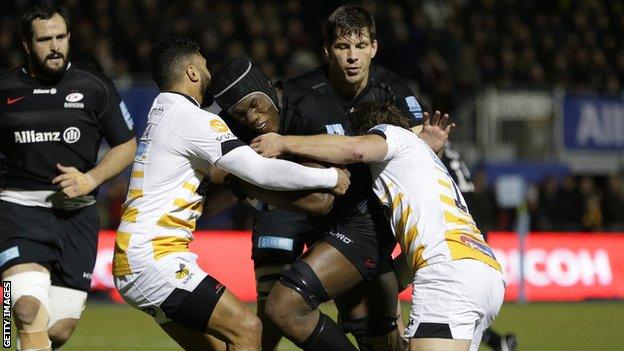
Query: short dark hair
[
  {"x": 44, "y": 10},
  {"x": 346, "y": 20},
  {"x": 369, "y": 114},
  {"x": 167, "y": 58}
]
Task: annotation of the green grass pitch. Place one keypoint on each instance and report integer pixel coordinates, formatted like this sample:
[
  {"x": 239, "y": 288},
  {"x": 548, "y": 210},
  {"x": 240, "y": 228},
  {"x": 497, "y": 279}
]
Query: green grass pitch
[{"x": 540, "y": 327}]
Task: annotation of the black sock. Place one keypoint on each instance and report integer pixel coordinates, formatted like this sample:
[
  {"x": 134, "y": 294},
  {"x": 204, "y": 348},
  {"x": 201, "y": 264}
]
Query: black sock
[
  {"x": 363, "y": 342},
  {"x": 327, "y": 336},
  {"x": 491, "y": 338}
]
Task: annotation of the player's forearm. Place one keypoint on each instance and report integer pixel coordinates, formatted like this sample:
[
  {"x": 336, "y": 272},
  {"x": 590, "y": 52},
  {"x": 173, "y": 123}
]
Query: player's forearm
[
  {"x": 334, "y": 149},
  {"x": 310, "y": 202},
  {"x": 217, "y": 199},
  {"x": 113, "y": 162},
  {"x": 276, "y": 174}
]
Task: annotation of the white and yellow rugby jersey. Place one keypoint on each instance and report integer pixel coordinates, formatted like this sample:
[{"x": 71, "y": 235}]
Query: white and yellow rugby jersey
[
  {"x": 428, "y": 216},
  {"x": 162, "y": 205}
]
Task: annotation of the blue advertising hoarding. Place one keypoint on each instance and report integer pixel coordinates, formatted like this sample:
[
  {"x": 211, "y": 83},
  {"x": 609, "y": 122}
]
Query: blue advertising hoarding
[{"x": 592, "y": 123}]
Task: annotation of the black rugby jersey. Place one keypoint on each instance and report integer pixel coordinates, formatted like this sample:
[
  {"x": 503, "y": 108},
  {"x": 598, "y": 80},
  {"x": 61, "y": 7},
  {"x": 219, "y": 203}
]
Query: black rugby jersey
[
  {"x": 42, "y": 125},
  {"x": 303, "y": 112},
  {"x": 383, "y": 86},
  {"x": 386, "y": 86}
]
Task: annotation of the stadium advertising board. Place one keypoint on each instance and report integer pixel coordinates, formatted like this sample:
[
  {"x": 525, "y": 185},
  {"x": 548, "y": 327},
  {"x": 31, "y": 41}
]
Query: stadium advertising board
[
  {"x": 558, "y": 266},
  {"x": 593, "y": 123}
]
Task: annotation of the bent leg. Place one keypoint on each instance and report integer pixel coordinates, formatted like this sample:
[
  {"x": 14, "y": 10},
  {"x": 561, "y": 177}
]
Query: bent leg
[
  {"x": 66, "y": 306},
  {"x": 190, "y": 339},
  {"x": 434, "y": 344},
  {"x": 267, "y": 276},
  {"x": 322, "y": 273},
  {"x": 30, "y": 289}
]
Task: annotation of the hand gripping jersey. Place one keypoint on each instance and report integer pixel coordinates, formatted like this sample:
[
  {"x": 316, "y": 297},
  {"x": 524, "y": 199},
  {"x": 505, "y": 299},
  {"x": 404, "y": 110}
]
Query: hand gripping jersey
[
  {"x": 162, "y": 205},
  {"x": 428, "y": 214}
]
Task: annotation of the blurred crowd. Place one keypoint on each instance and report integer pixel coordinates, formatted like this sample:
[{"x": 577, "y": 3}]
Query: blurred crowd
[
  {"x": 446, "y": 49},
  {"x": 574, "y": 203}
]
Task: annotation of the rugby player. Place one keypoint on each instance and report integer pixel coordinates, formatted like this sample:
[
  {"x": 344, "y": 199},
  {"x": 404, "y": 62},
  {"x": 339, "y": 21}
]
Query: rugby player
[
  {"x": 458, "y": 284},
  {"x": 351, "y": 77},
  {"x": 53, "y": 116},
  {"x": 153, "y": 268},
  {"x": 252, "y": 106}
]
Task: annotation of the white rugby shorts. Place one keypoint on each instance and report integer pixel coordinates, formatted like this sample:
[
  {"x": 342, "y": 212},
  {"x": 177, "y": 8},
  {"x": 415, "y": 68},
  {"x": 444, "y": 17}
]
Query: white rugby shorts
[
  {"x": 148, "y": 289},
  {"x": 455, "y": 300}
]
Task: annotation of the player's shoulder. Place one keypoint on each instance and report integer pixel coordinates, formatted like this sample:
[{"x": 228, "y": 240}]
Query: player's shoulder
[
  {"x": 94, "y": 78},
  {"x": 9, "y": 75},
  {"x": 383, "y": 75},
  {"x": 310, "y": 79},
  {"x": 389, "y": 131},
  {"x": 302, "y": 94}
]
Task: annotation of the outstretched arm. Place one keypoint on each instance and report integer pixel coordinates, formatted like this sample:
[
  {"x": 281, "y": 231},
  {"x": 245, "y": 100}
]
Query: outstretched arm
[
  {"x": 336, "y": 149},
  {"x": 275, "y": 174}
]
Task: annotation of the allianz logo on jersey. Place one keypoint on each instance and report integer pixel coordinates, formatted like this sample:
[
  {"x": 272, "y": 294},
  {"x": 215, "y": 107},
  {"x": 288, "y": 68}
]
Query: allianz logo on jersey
[
  {"x": 72, "y": 100},
  {"x": 69, "y": 135},
  {"x": 38, "y": 91}
]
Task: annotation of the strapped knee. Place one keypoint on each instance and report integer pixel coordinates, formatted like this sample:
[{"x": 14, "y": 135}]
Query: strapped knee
[
  {"x": 33, "y": 340},
  {"x": 65, "y": 303},
  {"x": 301, "y": 278},
  {"x": 35, "y": 284},
  {"x": 355, "y": 326}
]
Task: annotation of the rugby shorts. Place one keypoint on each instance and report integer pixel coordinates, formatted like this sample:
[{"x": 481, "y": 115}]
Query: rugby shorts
[
  {"x": 356, "y": 239},
  {"x": 175, "y": 289},
  {"x": 63, "y": 240},
  {"x": 455, "y": 300}
]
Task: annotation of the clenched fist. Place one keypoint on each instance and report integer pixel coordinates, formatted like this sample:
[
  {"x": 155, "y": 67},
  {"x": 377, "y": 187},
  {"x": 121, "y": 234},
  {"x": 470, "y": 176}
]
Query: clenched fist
[{"x": 343, "y": 182}]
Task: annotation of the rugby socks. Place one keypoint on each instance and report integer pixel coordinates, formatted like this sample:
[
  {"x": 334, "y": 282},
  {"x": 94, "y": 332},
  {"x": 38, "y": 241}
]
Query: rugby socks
[
  {"x": 491, "y": 339},
  {"x": 327, "y": 336}
]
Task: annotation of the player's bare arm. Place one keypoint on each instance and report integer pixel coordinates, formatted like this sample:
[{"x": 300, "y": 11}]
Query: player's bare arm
[
  {"x": 334, "y": 149},
  {"x": 75, "y": 183}
]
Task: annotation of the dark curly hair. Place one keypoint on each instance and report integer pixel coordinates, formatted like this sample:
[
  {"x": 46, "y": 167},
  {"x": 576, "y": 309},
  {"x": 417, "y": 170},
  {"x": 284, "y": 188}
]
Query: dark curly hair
[{"x": 369, "y": 114}]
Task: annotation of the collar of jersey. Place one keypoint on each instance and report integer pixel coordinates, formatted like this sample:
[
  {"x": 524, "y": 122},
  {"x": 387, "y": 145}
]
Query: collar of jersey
[{"x": 189, "y": 98}]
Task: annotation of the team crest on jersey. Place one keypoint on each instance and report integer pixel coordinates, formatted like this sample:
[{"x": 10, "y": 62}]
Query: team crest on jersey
[
  {"x": 219, "y": 126},
  {"x": 335, "y": 129},
  {"x": 72, "y": 100},
  {"x": 182, "y": 272}
]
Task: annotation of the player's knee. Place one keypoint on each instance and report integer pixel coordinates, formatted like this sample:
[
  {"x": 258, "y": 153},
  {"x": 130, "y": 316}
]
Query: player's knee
[
  {"x": 61, "y": 331},
  {"x": 356, "y": 326},
  {"x": 302, "y": 279},
  {"x": 248, "y": 331},
  {"x": 26, "y": 309},
  {"x": 278, "y": 308}
]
